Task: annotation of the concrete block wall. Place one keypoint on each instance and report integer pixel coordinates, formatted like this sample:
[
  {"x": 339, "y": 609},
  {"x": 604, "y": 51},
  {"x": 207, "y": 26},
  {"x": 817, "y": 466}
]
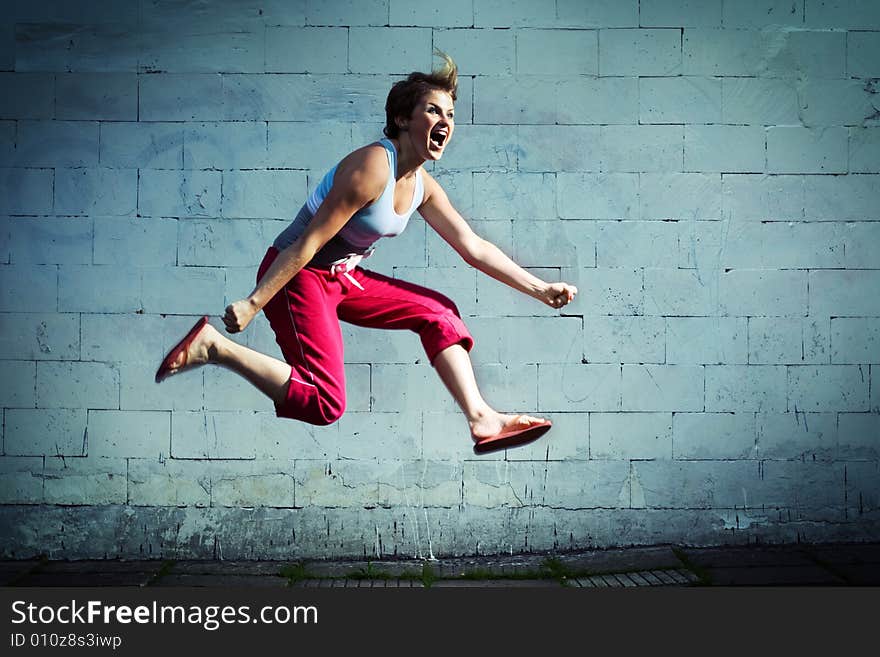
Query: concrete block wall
[{"x": 707, "y": 174}]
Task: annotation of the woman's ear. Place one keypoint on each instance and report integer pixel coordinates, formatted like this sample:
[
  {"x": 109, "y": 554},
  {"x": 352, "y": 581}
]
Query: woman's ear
[{"x": 401, "y": 123}]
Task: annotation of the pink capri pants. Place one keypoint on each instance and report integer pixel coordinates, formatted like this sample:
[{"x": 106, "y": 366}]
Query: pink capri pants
[{"x": 305, "y": 317}]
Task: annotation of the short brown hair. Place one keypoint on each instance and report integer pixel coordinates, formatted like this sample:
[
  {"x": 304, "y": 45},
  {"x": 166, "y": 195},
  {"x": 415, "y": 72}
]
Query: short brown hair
[{"x": 405, "y": 95}]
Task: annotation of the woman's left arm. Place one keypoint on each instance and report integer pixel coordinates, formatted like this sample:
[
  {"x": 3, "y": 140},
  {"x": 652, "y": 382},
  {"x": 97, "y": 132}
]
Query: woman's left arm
[{"x": 482, "y": 254}]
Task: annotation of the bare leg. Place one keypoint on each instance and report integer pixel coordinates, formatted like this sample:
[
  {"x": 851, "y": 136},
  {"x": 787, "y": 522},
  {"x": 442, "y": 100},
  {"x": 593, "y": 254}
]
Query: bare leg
[
  {"x": 453, "y": 364},
  {"x": 269, "y": 375}
]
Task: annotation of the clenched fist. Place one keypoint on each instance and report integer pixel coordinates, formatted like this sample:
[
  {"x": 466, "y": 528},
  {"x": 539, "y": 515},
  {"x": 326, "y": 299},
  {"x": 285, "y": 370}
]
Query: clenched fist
[
  {"x": 238, "y": 315},
  {"x": 557, "y": 295}
]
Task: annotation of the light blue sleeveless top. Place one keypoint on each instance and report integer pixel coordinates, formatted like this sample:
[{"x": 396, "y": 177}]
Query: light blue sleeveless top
[{"x": 366, "y": 225}]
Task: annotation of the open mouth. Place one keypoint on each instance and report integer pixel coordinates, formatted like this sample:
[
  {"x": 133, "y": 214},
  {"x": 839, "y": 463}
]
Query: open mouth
[{"x": 438, "y": 138}]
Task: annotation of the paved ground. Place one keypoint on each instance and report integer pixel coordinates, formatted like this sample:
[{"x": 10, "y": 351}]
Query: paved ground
[{"x": 850, "y": 564}]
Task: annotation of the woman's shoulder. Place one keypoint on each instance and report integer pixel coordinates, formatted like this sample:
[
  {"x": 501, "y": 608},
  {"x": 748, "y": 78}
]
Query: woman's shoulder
[
  {"x": 365, "y": 168},
  {"x": 430, "y": 185},
  {"x": 372, "y": 157}
]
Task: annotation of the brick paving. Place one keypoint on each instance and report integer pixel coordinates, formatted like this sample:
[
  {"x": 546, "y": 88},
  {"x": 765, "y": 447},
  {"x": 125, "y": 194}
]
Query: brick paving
[{"x": 847, "y": 564}]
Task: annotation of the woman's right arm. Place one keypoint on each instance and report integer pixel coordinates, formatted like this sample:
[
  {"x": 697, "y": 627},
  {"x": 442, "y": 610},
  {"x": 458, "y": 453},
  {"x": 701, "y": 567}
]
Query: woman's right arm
[{"x": 358, "y": 182}]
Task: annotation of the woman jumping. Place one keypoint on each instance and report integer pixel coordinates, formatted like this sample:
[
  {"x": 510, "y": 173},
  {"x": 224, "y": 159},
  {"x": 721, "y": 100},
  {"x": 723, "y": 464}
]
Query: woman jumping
[{"x": 310, "y": 278}]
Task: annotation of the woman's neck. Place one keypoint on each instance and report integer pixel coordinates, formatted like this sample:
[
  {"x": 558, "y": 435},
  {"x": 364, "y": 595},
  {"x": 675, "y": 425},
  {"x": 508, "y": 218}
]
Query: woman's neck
[{"x": 407, "y": 159}]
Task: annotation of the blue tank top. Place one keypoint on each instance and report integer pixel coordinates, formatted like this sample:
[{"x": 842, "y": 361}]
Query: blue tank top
[{"x": 366, "y": 225}]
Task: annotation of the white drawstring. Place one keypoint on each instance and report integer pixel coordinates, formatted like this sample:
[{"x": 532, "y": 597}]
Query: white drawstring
[{"x": 348, "y": 264}]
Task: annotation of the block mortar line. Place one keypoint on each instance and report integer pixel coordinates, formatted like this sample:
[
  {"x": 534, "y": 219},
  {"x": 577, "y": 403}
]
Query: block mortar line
[
  {"x": 681, "y": 43},
  {"x": 54, "y": 95}
]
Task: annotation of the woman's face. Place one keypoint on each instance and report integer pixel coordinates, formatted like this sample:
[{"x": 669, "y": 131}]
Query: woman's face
[{"x": 431, "y": 124}]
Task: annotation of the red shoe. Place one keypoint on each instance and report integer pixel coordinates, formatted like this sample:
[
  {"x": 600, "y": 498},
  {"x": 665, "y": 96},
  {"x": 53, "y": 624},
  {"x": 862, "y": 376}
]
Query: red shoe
[
  {"x": 512, "y": 438},
  {"x": 165, "y": 368}
]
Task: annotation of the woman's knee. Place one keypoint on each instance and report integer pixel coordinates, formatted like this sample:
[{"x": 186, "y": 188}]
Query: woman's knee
[
  {"x": 317, "y": 409},
  {"x": 444, "y": 330},
  {"x": 330, "y": 411},
  {"x": 447, "y": 306}
]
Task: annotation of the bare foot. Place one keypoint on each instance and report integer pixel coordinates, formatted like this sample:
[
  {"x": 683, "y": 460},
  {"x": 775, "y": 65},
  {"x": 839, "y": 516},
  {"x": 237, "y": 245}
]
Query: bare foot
[{"x": 494, "y": 423}]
